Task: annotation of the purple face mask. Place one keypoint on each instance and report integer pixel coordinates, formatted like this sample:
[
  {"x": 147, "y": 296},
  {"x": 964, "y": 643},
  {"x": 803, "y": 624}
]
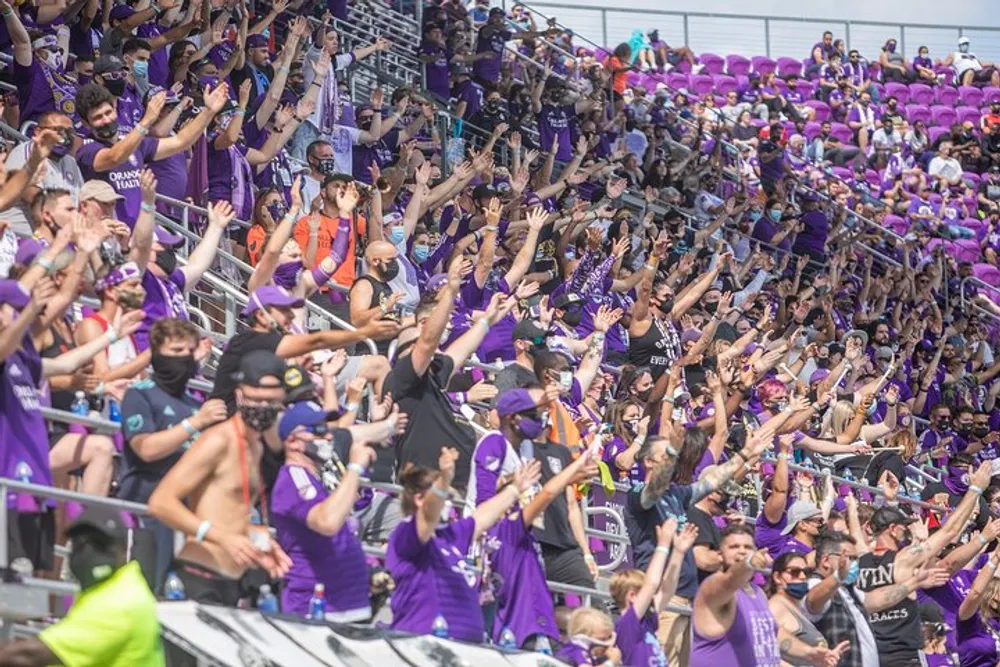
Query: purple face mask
[
  {"x": 277, "y": 210},
  {"x": 287, "y": 274}
]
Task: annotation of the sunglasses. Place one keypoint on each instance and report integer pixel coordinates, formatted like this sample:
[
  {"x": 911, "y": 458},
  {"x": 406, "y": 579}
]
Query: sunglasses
[{"x": 796, "y": 571}]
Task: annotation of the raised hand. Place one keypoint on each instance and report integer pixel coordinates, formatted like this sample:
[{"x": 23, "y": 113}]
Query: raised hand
[
  {"x": 147, "y": 183},
  {"x": 481, "y": 391},
  {"x": 220, "y": 214},
  {"x": 684, "y": 540},
  {"x": 346, "y": 199},
  {"x": 526, "y": 476},
  {"x": 446, "y": 464},
  {"x": 606, "y": 318},
  {"x": 492, "y": 212},
  {"x": 498, "y": 308},
  {"x": 666, "y": 532},
  {"x": 216, "y": 99}
]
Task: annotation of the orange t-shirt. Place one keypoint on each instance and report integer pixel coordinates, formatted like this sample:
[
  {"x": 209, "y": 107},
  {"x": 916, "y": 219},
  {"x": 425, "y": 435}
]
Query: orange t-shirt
[
  {"x": 256, "y": 241},
  {"x": 345, "y": 273},
  {"x": 619, "y": 80}
]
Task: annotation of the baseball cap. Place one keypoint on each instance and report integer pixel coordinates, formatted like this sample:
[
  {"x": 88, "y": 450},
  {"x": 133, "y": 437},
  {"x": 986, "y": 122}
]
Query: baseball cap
[
  {"x": 484, "y": 191},
  {"x": 101, "y": 520},
  {"x": 298, "y": 385},
  {"x": 171, "y": 98},
  {"x": 856, "y": 333},
  {"x": 256, "y": 41},
  {"x": 513, "y": 401},
  {"x": 819, "y": 375},
  {"x": 800, "y": 511},
  {"x": 459, "y": 69},
  {"x": 567, "y": 299},
  {"x": 496, "y": 10},
  {"x": 257, "y": 365},
  {"x": 303, "y": 413},
  {"x": 888, "y": 516},
  {"x": 166, "y": 239},
  {"x": 12, "y": 292},
  {"x": 271, "y": 296},
  {"x": 526, "y": 329},
  {"x": 109, "y": 63},
  {"x": 99, "y": 191},
  {"x": 963, "y": 40},
  {"x": 121, "y": 12}
]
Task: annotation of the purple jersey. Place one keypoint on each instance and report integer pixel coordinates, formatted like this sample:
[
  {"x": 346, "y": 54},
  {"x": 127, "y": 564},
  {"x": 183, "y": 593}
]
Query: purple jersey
[
  {"x": 491, "y": 40},
  {"x": 768, "y": 535},
  {"x": 436, "y": 71},
  {"x": 977, "y": 645},
  {"x": 637, "y": 639},
  {"x": 41, "y": 89},
  {"x": 130, "y": 109},
  {"x": 22, "y": 429},
  {"x": 435, "y": 578},
  {"x": 553, "y": 121},
  {"x": 525, "y": 603},
  {"x": 164, "y": 298},
  {"x": 751, "y": 641},
  {"x": 337, "y": 561},
  {"x": 124, "y": 178},
  {"x": 615, "y": 447}
]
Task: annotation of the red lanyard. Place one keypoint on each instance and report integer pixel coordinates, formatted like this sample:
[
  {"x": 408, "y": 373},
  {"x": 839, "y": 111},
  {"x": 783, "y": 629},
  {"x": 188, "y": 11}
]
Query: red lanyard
[{"x": 245, "y": 471}]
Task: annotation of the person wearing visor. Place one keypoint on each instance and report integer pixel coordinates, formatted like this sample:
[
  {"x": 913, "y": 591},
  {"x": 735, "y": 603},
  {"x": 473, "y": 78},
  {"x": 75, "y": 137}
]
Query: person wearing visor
[
  {"x": 197, "y": 496},
  {"x": 313, "y": 513},
  {"x": 113, "y": 621}
]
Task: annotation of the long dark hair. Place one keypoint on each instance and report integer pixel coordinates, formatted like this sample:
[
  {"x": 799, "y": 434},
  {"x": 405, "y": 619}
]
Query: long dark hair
[
  {"x": 693, "y": 448},
  {"x": 780, "y": 565}
]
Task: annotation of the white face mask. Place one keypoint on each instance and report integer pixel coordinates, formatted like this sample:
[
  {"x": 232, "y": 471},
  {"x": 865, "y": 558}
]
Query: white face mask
[{"x": 54, "y": 59}]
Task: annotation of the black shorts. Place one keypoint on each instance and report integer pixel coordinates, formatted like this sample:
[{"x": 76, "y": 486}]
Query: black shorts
[
  {"x": 673, "y": 57},
  {"x": 566, "y": 566},
  {"x": 204, "y": 585},
  {"x": 32, "y": 536},
  {"x": 984, "y": 75}
]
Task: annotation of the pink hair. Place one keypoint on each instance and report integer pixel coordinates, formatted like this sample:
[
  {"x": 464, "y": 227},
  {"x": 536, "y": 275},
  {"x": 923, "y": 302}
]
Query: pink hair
[{"x": 769, "y": 389}]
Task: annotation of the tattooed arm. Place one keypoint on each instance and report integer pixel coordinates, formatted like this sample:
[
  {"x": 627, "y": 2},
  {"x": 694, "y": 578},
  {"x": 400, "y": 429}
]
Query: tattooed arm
[
  {"x": 719, "y": 475},
  {"x": 659, "y": 480}
]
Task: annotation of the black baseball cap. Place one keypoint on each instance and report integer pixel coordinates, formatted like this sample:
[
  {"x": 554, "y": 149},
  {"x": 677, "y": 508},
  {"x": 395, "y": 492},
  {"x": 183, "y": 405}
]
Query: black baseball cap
[
  {"x": 102, "y": 521},
  {"x": 484, "y": 191},
  {"x": 298, "y": 385},
  {"x": 528, "y": 330},
  {"x": 566, "y": 299},
  {"x": 889, "y": 516},
  {"x": 260, "y": 364}
]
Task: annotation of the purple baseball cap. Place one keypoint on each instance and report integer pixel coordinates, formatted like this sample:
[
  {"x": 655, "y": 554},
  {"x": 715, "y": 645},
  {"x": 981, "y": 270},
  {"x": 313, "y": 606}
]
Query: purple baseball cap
[
  {"x": 436, "y": 282},
  {"x": 256, "y": 41},
  {"x": 513, "y": 401},
  {"x": 271, "y": 296},
  {"x": 13, "y": 292},
  {"x": 166, "y": 239},
  {"x": 121, "y": 12}
]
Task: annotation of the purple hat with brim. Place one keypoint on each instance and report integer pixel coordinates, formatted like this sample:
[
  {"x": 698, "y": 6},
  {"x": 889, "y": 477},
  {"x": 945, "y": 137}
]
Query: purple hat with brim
[
  {"x": 256, "y": 41},
  {"x": 13, "y": 292},
  {"x": 819, "y": 375},
  {"x": 121, "y": 12},
  {"x": 436, "y": 282},
  {"x": 513, "y": 401},
  {"x": 166, "y": 239},
  {"x": 271, "y": 296}
]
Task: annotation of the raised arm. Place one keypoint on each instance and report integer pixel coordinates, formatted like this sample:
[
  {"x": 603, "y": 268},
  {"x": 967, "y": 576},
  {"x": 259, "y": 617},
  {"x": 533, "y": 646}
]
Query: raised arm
[
  {"x": 220, "y": 214},
  {"x": 488, "y": 513},
  {"x": 192, "y": 131},
  {"x": 469, "y": 342}
]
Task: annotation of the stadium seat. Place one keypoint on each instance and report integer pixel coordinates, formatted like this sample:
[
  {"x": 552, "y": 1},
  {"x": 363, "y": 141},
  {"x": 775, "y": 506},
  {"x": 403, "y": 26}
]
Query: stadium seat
[
  {"x": 822, "y": 110},
  {"x": 987, "y": 273},
  {"x": 978, "y": 226},
  {"x": 843, "y": 173},
  {"x": 970, "y": 114},
  {"x": 812, "y": 130},
  {"x": 724, "y": 83},
  {"x": 701, "y": 84},
  {"x": 712, "y": 63},
  {"x": 972, "y": 177},
  {"x": 898, "y": 90},
  {"x": 807, "y": 87},
  {"x": 944, "y": 116},
  {"x": 934, "y": 243},
  {"x": 737, "y": 65},
  {"x": 896, "y": 224},
  {"x": 763, "y": 65},
  {"x": 934, "y": 133},
  {"x": 967, "y": 250},
  {"x": 991, "y": 95},
  {"x": 921, "y": 93},
  {"x": 873, "y": 178},
  {"x": 947, "y": 96},
  {"x": 915, "y": 112},
  {"x": 843, "y": 133},
  {"x": 789, "y": 66},
  {"x": 948, "y": 74},
  {"x": 676, "y": 80},
  {"x": 970, "y": 96}
]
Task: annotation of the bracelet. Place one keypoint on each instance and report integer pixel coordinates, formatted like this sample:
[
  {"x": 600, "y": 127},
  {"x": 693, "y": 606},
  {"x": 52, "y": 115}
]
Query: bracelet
[
  {"x": 241, "y": 112},
  {"x": 976, "y": 489},
  {"x": 46, "y": 264},
  {"x": 590, "y": 557},
  {"x": 982, "y": 540},
  {"x": 351, "y": 407},
  {"x": 662, "y": 550},
  {"x": 817, "y": 406},
  {"x": 440, "y": 493},
  {"x": 141, "y": 129},
  {"x": 111, "y": 335},
  {"x": 650, "y": 266},
  {"x": 358, "y": 468},
  {"x": 990, "y": 564},
  {"x": 485, "y": 322},
  {"x": 782, "y": 456},
  {"x": 149, "y": 208},
  {"x": 8, "y": 12},
  {"x": 282, "y": 69},
  {"x": 891, "y": 405},
  {"x": 491, "y": 228},
  {"x": 189, "y": 427},
  {"x": 202, "y": 531},
  {"x": 668, "y": 400}
]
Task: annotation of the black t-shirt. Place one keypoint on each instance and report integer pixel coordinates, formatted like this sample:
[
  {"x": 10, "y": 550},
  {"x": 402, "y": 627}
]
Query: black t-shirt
[
  {"x": 557, "y": 532},
  {"x": 897, "y": 629},
  {"x": 641, "y": 523},
  {"x": 240, "y": 344},
  {"x": 147, "y": 409},
  {"x": 709, "y": 534},
  {"x": 432, "y": 423}
]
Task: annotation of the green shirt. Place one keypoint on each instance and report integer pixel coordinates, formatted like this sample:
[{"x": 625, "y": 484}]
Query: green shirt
[{"x": 111, "y": 625}]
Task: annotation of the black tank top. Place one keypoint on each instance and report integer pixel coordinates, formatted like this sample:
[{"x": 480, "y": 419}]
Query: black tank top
[
  {"x": 380, "y": 294},
  {"x": 897, "y": 629},
  {"x": 658, "y": 348},
  {"x": 61, "y": 400}
]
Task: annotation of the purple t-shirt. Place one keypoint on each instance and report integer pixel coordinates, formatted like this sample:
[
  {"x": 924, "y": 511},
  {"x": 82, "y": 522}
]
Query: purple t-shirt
[
  {"x": 124, "y": 178},
  {"x": 23, "y": 432},
  {"x": 41, "y": 89},
  {"x": 337, "y": 561},
  {"x": 164, "y": 298},
  {"x": 158, "y": 70},
  {"x": 471, "y": 93},
  {"x": 525, "y": 603},
  {"x": 637, "y": 639},
  {"x": 130, "y": 108},
  {"x": 768, "y": 535},
  {"x": 491, "y": 459},
  {"x": 574, "y": 654},
  {"x": 230, "y": 178},
  {"x": 171, "y": 175},
  {"x": 435, "y": 578},
  {"x": 491, "y": 40},
  {"x": 436, "y": 71},
  {"x": 751, "y": 641},
  {"x": 553, "y": 121},
  {"x": 611, "y": 450},
  {"x": 976, "y": 646}
]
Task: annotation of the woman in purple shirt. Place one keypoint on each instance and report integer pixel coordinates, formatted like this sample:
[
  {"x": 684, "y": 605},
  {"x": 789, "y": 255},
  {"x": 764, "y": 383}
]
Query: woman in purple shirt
[
  {"x": 974, "y": 634},
  {"x": 628, "y": 432},
  {"x": 434, "y": 572}
]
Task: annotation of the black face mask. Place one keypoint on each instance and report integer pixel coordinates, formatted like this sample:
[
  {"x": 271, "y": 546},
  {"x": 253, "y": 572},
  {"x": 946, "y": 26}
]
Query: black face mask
[
  {"x": 964, "y": 430},
  {"x": 92, "y": 561},
  {"x": 171, "y": 374},
  {"x": 259, "y": 417},
  {"x": 981, "y": 431},
  {"x": 573, "y": 317},
  {"x": 326, "y": 166},
  {"x": 166, "y": 259},
  {"x": 364, "y": 123},
  {"x": 389, "y": 271},
  {"x": 107, "y": 132},
  {"x": 822, "y": 362},
  {"x": 116, "y": 88},
  {"x": 710, "y": 308},
  {"x": 644, "y": 394}
]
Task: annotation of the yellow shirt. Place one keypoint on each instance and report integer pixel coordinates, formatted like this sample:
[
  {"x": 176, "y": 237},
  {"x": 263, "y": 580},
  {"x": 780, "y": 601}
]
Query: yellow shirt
[{"x": 111, "y": 625}]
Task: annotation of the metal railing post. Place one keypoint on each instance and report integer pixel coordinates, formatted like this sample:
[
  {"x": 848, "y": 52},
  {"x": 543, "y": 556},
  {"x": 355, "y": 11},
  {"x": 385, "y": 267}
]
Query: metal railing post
[
  {"x": 230, "y": 315},
  {"x": 3, "y": 526},
  {"x": 767, "y": 37},
  {"x": 687, "y": 34},
  {"x": 604, "y": 25}
]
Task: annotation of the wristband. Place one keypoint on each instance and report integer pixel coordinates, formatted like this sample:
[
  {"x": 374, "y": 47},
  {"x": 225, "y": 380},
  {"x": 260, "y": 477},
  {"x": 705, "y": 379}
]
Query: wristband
[
  {"x": 782, "y": 456},
  {"x": 982, "y": 540},
  {"x": 589, "y": 558},
  {"x": 111, "y": 335},
  {"x": 440, "y": 493},
  {"x": 662, "y": 550},
  {"x": 351, "y": 407},
  {"x": 149, "y": 208},
  {"x": 650, "y": 266},
  {"x": 485, "y": 323},
  {"x": 282, "y": 69},
  {"x": 990, "y": 564},
  {"x": 99, "y": 390},
  {"x": 8, "y": 12},
  {"x": 46, "y": 264},
  {"x": 977, "y": 490},
  {"x": 202, "y": 531},
  {"x": 189, "y": 427},
  {"x": 141, "y": 129},
  {"x": 241, "y": 112},
  {"x": 358, "y": 468}
]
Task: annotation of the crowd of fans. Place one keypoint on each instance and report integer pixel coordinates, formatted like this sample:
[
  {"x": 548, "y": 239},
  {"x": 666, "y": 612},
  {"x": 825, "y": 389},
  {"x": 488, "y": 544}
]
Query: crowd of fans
[{"x": 703, "y": 299}]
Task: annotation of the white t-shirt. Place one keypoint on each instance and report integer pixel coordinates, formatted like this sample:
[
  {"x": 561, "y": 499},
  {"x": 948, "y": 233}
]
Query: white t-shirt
[
  {"x": 947, "y": 168},
  {"x": 343, "y": 139},
  {"x": 963, "y": 62},
  {"x": 61, "y": 174}
]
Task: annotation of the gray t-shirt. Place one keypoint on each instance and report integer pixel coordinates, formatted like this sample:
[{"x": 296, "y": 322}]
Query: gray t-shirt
[
  {"x": 514, "y": 376},
  {"x": 61, "y": 174}
]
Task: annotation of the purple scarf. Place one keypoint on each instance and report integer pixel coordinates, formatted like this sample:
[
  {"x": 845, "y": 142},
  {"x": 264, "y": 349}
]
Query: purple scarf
[
  {"x": 242, "y": 177},
  {"x": 956, "y": 481}
]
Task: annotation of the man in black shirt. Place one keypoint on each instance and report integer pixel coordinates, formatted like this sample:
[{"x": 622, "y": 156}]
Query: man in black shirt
[
  {"x": 270, "y": 315},
  {"x": 420, "y": 376},
  {"x": 707, "y": 557}
]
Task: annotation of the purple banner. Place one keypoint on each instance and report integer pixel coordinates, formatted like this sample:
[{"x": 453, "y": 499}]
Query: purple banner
[{"x": 607, "y": 552}]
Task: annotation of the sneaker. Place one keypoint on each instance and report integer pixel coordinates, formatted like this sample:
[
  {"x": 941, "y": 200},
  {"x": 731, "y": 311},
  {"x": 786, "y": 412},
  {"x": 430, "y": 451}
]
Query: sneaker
[
  {"x": 643, "y": 66},
  {"x": 696, "y": 69},
  {"x": 667, "y": 67}
]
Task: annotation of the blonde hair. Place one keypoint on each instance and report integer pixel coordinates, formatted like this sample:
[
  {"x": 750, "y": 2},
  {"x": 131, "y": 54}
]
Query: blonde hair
[
  {"x": 907, "y": 441},
  {"x": 623, "y": 583},
  {"x": 589, "y": 621},
  {"x": 843, "y": 413},
  {"x": 986, "y": 607}
]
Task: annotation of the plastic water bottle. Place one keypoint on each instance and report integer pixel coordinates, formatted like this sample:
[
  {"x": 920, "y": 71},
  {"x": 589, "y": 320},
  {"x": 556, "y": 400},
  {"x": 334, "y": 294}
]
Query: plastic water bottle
[
  {"x": 508, "y": 642},
  {"x": 317, "y": 603},
  {"x": 440, "y": 627},
  {"x": 23, "y": 472},
  {"x": 267, "y": 603},
  {"x": 848, "y": 475},
  {"x": 173, "y": 587},
  {"x": 114, "y": 412},
  {"x": 81, "y": 406}
]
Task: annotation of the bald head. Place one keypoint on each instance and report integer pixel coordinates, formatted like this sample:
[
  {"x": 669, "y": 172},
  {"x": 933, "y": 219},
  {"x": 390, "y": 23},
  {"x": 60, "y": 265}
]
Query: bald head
[
  {"x": 381, "y": 259},
  {"x": 380, "y": 250}
]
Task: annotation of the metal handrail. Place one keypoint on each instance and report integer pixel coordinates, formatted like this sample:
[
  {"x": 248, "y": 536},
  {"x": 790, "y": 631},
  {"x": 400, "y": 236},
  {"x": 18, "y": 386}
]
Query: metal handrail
[
  {"x": 971, "y": 303},
  {"x": 97, "y": 424},
  {"x": 864, "y": 487}
]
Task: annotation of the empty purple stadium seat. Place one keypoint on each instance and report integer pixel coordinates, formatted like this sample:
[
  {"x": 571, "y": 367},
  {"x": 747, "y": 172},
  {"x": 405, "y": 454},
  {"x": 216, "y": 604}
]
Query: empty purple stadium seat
[
  {"x": 895, "y": 223},
  {"x": 843, "y": 173},
  {"x": 720, "y": 101},
  {"x": 872, "y": 177},
  {"x": 758, "y": 123},
  {"x": 724, "y": 83},
  {"x": 763, "y": 64},
  {"x": 807, "y": 87},
  {"x": 921, "y": 93},
  {"x": 943, "y": 115},
  {"x": 899, "y": 90},
  {"x": 978, "y": 226},
  {"x": 789, "y": 66},
  {"x": 970, "y": 114},
  {"x": 822, "y": 110},
  {"x": 634, "y": 79},
  {"x": 701, "y": 84},
  {"x": 934, "y": 133},
  {"x": 675, "y": 81},
  {"x": 972, "y": 177},
  {"x": 967, "y": 250},
  {"x": 932, "y": 244},
  {"x": 970, "y": 96},
  {"x": 650, "y": 81},
  {"x": 812, "y": 130},
  {"x": 737, "y": 65},
  {"x": 947, "y": 72},
  {"x": 991, "y": 95},
  {"x": 842, "y": 132},
  {"x": 742, "y": 80},
  {"x": 915, "y": 112},
  {"x": 683, "y": 67},
  {"x": 712, "y": 63},
  {"x": 987, "y": 273},
  {"x": 601, "y": 55},
  {"x": 947, "y": 96}
]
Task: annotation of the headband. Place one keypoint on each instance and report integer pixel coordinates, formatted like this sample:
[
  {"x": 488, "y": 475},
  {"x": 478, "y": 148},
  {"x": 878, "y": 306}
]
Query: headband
[{"x": 117, "y": 276}]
